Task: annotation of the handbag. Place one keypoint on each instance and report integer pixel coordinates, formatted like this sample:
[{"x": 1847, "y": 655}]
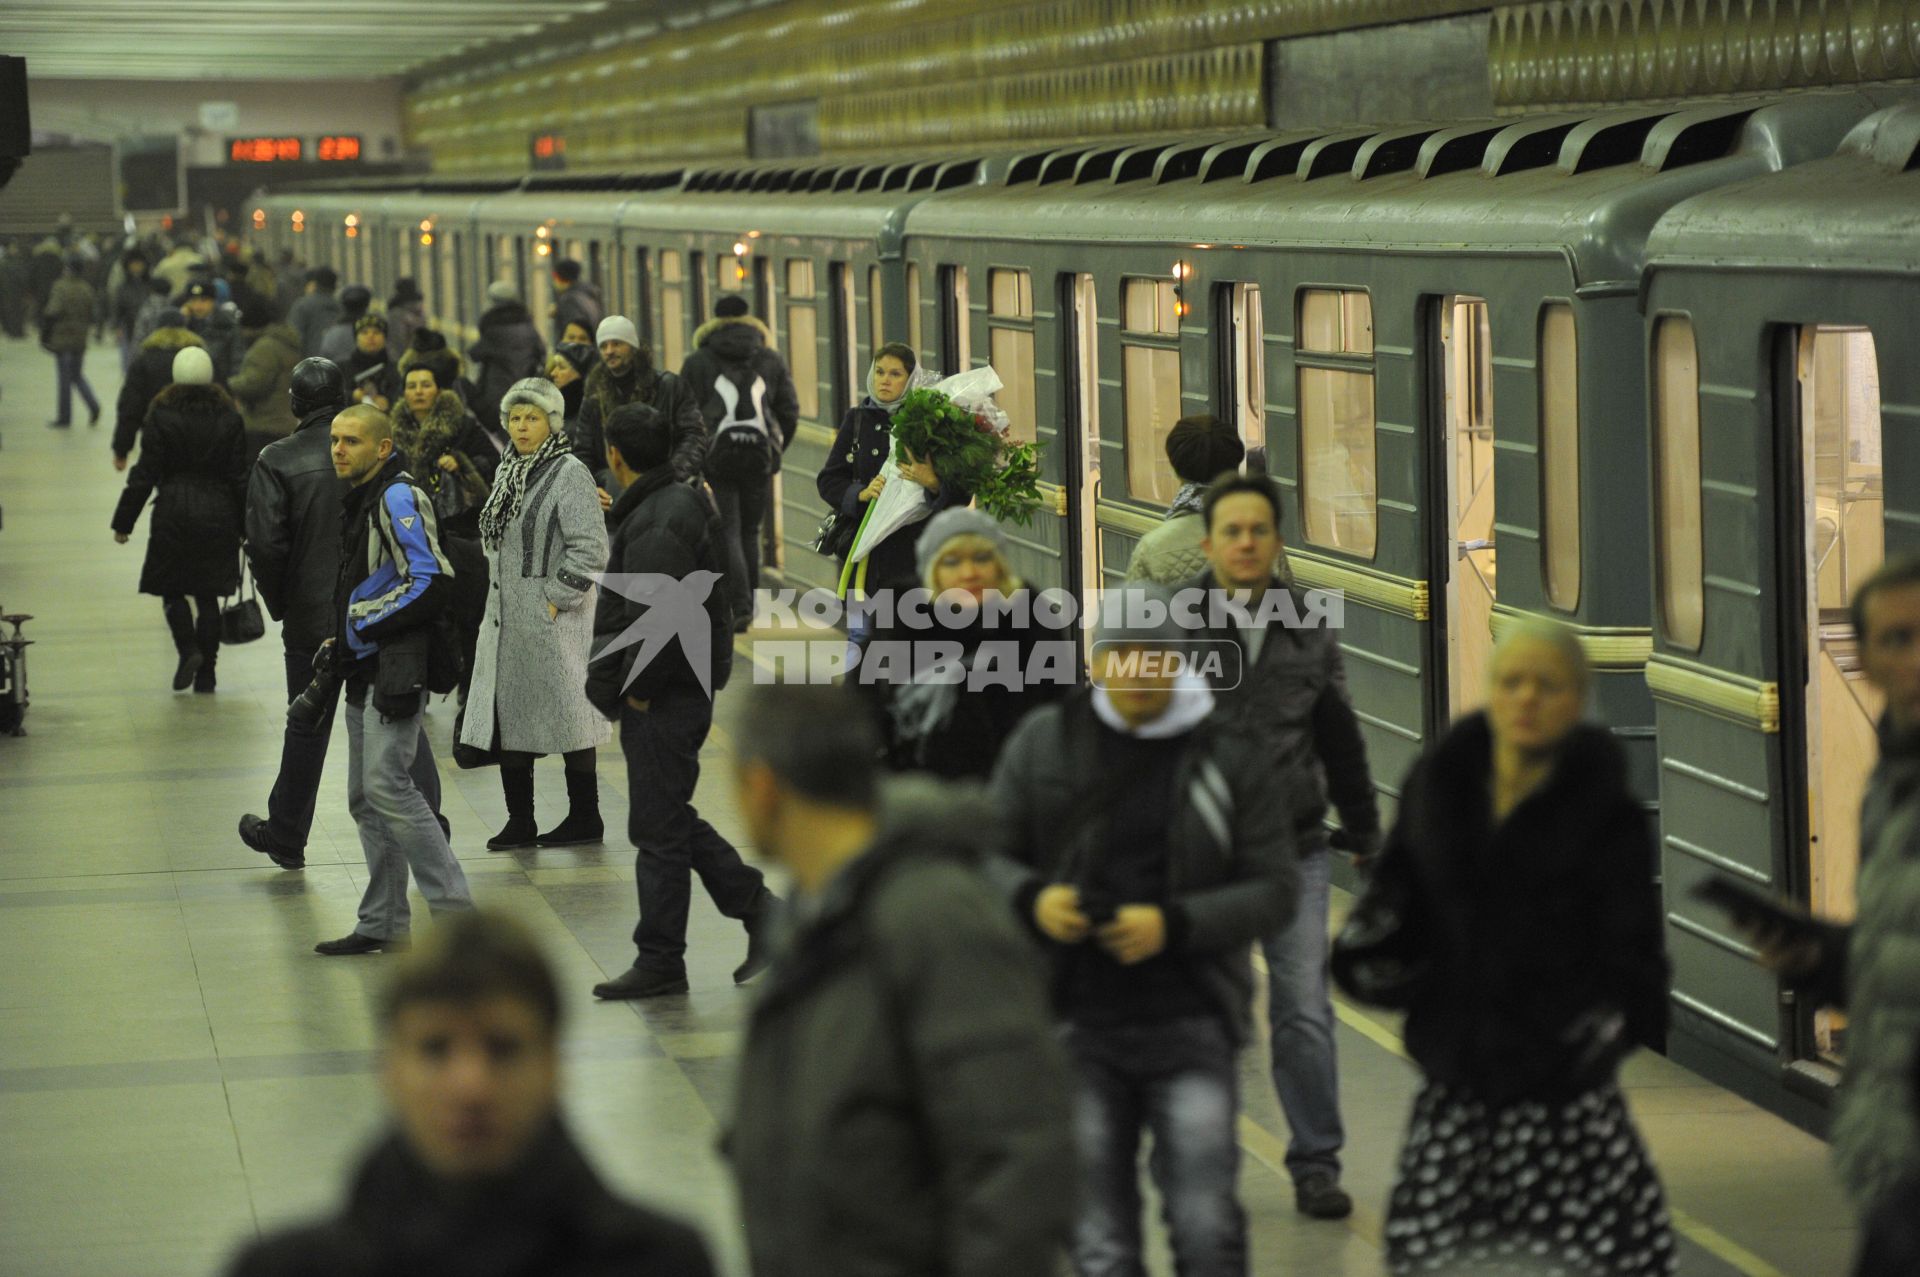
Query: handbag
[
  {"x": 834, "y": 537},
  {"x": 1380, "y": 956},
  {"x": 242, "y": 621},
  {"x": 469, "y": 757}
]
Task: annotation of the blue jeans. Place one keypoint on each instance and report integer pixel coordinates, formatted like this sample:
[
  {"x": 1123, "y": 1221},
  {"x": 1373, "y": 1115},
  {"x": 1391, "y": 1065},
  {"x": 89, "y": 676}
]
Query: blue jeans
[
  {"x": 68, "y": 366},
  {"x": 1300, "y": 1013},
  {"x": 393, "y": 791},
  {"x": 1175, "y": 1078},
  {"x": 662, "y": 747}
]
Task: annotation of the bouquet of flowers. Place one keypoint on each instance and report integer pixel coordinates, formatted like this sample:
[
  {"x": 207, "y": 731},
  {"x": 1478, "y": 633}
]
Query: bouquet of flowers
[{"x": 956, "y": 428}]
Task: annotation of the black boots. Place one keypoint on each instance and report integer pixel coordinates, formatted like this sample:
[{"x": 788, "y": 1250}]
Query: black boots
[
  {"x": 179, "y": 614},
  {"x": 582, "y": 824},
  {"x": 203, "y": 677},
  {"x": 517, "y": 783},
  {"x": 759, "y": 940}
]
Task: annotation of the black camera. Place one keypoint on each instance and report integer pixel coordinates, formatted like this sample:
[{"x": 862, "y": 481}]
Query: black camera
[{"x": 310, "y": 708}]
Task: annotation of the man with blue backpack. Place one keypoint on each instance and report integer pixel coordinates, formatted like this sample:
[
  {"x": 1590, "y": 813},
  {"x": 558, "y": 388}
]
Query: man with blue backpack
[{"x": 751, "y": 408}]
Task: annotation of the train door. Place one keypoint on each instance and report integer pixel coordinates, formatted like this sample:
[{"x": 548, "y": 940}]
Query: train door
[
  {"x": 1462, "y": 449},
  {"x": 1244, "y": 328},
  {"x": 1840, "y": 502},
  {"x": 1080, "y": 469}
]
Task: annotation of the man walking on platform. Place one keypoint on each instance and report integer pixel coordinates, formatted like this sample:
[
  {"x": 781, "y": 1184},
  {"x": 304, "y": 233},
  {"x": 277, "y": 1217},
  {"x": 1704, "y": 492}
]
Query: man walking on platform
[
  {"x": 663, "y": 638},
  {"x": 393, "y": 581},
  {"x": 293, "y": 547},
  {"x": 624, "y": 375},
  {"x": 1292, "y": 696}
]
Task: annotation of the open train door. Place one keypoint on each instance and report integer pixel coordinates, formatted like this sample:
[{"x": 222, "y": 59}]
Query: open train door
[
  {"x": 1080, "y": 472},
  {"x": 1461, "y": 449}
]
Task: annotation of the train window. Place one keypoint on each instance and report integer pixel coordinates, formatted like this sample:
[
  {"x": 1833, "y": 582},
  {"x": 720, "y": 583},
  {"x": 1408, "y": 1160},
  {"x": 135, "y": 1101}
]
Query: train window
[
  {"x": 731, "y": 272},
  {"x": 763, "y": 290},
  {"x": 876, "y": 311},
  {"x": 1676, "y": 466},
  {"x": 640, "y": 294},
  {"x": 673, "y": 309},
  {"x": 697, "y": 286},
  {"x": 1150, "y": 374},
  {"x": 1560, "y": 454},
  {"x": 1339, "y": 491},
  {"x": 803, "y": 335},
  {"x": 593, "y": 264},
  {"x": 1246, "y": 327},
  {"x": 845, "y": 354},
  {"x": 913, "y": 310},
  {"x": 1010, "y": 337},
  {"x": 956, "y": 319}
]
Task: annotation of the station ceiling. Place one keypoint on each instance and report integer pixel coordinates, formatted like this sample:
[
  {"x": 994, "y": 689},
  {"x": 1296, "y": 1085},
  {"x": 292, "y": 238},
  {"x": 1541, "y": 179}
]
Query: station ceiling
[{"x": 261, "y": 39}]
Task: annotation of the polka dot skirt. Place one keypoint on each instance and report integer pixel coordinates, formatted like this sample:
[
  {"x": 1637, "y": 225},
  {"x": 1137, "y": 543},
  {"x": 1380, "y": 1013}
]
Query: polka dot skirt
[{"x": 1561, "y": 1190}]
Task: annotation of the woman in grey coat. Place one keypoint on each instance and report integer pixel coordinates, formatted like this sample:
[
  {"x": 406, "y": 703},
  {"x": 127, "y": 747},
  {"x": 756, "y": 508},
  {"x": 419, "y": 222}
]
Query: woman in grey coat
[{"x": 544, "y": 536}]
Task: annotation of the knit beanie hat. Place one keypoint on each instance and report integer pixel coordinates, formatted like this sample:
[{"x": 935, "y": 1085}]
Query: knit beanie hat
[
  {"x": 354, "y": 300},
  {"x": 617, "y": 328},
  {"x": 1202, "y": 448},
  {"x": 193, "y": 367},
  {"x": 732, "y": 307},
  {"x": 542, "y": 394},
  {"x": 370, "y": 321},
  {"x": 954, "y": 521},
  {"x": 500, "y": 292},
  {"x": 582, "y": 356}
]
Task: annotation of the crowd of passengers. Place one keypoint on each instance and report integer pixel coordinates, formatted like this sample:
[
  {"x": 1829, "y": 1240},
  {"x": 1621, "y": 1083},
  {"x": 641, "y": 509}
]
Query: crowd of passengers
[{"x": 1024, "y": 920}]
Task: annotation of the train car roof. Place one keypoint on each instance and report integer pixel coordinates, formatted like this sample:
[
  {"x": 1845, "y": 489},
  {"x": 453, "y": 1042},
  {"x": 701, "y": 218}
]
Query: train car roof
[
  {"x": 1591, "y": 185},
  {"x": 1857, "y": 210}
]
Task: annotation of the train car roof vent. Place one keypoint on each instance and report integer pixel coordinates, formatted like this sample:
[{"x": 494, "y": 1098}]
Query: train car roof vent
[
  {"x": 1096, "y": 165},
  {"x": 872, "y": 178},
  {"x": 1529, "y": 144},
  {"x": 1277, "y": 158},
  {"x": 1227, "y": 159},
  {"x": 1692, "y": 137},
  {"x": 1134, "y": 164},
  {"x": 1456, "y": 149},
  {"x": 1328, "y": 155},
  {"x": 1607, "y": 141},
  {"x": 1385, "y": 153},
  {"x": 1179, "y": 163},
  {"x": 849, "y": 177},
  {"x": 1890, "y": 138},
  {"x": 1058, "y": 166},
  {"x": 1026, "y": 168},
  {"x": 923, "y": 174},
  {"x": 897, "y": 177},
  {"x": 956, "y": 173}
]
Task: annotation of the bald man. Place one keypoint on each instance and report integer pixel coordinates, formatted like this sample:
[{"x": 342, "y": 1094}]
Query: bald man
[{"x": 394, "y": 581}]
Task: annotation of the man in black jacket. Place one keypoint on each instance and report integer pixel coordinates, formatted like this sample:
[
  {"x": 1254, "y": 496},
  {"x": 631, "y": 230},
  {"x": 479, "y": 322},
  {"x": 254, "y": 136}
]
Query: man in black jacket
[
  {"x": 906, "y": 1007},
  {"x": 624, "y": 375},
  {"x": 1292, "y": 693},
  {"x": 509, "y": 349},
  {"x": 1148, "y": 846},
  {"x": 479, "y": 1174},
  {"x": 663, "y": 638},
  {"x": 751, "y": 408},
  {"x": 575, "y": 300},
  {"x": 393, "y": 583},
  {"x": 293, "y": 547}
]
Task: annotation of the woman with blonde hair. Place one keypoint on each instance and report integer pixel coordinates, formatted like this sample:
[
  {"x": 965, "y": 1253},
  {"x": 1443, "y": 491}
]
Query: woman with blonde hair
[{"x": 1514, "y": 915}]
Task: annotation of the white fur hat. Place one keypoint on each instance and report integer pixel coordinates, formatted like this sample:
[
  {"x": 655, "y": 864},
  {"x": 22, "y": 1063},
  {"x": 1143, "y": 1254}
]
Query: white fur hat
[
  {"x": 193, "y": 367},
  {"x": 617, "y": 328},
  {"x": 542, "y": 394}
]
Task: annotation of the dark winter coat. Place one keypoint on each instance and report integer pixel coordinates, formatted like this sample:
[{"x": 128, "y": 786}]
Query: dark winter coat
[
  {"x": 663, "y": 526},
  {"x": 44, "y": 269},
  {"x": 509, "y": 348},
  {"x": 150, "y": 373},
  {"x": 68, "y": 316},
  {"x": 336, "y": 343},
  {"x": 740, "y": 348},
  {"x": 1295, "y": 695},
  {"x": 293, "y": 531},
  {"x": 311, "y": 316},
  {"x": 1231, "y": 875},
  {"x": 193, "y": 450},
  {"x": 403, "y": 321},
  {"x": 1528, "y": 926},
  {"x": 580, "y": 305},
  {"x": 982, "y": 712},
  {"x": 549, "y": 1217},
  {"x": 903, "y": 1107},
  {"x": 263, "y": 381},
  {"x": 859, "y": 450},
  {"x": 128, "y": 299},
  {"x": 449, "y": 430},
  {"x": 1891, "y": 1247},
  {"x": 226, "y": 345},
  {"x": 663, "y": 392}
]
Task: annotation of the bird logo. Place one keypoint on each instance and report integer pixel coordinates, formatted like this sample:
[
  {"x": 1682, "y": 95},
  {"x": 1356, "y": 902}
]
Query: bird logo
[{"x": 675, "y": 608}]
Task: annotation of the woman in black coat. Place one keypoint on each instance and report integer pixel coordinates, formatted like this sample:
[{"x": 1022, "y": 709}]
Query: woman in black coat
[
  {"x": 1516, "y": 908},
  {"x": 851, "y": 476},
  {"x": 193, "y": 450},
  {"x": 954, "y": 729}
]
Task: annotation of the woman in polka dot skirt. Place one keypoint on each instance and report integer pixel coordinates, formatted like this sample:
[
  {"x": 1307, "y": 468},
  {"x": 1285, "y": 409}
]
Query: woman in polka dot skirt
[{"x": 1513, "y": 914}]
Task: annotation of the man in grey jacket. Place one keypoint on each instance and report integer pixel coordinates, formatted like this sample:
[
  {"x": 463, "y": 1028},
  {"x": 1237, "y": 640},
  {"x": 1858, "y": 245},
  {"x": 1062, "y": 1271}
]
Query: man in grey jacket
[
  {"x": 903, "y": 1106},
  {"x": 1148, "y": 847}
]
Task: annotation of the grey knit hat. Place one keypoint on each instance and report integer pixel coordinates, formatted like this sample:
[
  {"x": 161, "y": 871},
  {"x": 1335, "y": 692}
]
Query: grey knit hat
[
  {"x": 955, "y": 521},
  {"x": 542, "y": 394}
]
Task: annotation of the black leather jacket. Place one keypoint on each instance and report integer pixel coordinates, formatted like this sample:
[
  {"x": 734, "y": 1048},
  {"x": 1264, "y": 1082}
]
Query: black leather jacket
[{"x": 293, "y": 531}]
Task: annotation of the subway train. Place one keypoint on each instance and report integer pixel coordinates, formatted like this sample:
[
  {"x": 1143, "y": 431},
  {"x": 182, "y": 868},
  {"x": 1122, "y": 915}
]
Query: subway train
[{"x": 1636, "y": 369}]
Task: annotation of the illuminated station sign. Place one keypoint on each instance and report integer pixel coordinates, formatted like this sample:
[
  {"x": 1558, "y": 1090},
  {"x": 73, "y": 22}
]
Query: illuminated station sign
[{"x": 291, "y": 150}]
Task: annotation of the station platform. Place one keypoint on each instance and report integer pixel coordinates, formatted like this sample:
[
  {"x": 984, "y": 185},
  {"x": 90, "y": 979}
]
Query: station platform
[{"x": 178, "y": 1069}]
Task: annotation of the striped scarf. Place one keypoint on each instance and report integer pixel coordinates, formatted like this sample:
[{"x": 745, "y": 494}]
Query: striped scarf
[{"x": 510, "y": 487}]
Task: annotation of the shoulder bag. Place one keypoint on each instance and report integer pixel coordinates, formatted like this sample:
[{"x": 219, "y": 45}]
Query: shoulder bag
[{"x": 242, "y": 621}]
